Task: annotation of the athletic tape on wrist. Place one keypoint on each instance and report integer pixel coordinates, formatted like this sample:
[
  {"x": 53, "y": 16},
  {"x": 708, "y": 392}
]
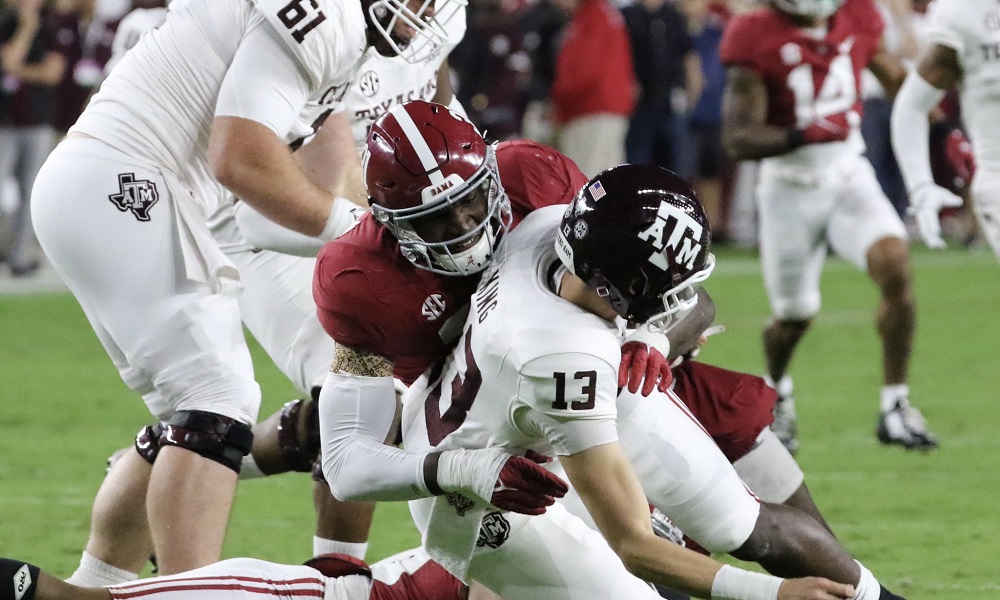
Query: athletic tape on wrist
[{"x": 732, "y": 583}]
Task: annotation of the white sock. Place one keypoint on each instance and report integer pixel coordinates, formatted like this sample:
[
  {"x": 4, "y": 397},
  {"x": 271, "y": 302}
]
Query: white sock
[
  {"x": 868, "y": 587},
  {"x": 892, "y": 393},
  {"x": 94, "y": 572},
  {"x": 325, "y": 546},
  {"x": 783, "y": 387},
  {"x": 249, "y": 469}
]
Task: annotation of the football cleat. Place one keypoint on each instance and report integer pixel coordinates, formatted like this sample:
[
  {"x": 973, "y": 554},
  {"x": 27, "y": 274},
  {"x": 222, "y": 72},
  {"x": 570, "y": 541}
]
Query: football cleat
[
  {"x": 903, "y": 425},
  {"x": 785, "y": 424}
]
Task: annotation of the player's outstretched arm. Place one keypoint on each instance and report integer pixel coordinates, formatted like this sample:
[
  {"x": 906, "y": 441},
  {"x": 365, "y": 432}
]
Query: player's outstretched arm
[
  {"x": 922, "y": 90},
  {"x": 609, "y": 488},
  {"x": 357, "y": 407}
]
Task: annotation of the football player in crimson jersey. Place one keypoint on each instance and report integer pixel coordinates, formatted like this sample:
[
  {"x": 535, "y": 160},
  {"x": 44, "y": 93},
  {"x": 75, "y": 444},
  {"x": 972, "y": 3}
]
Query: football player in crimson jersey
[
  {"x": 409, "y": 575},
  {"x": 963, "y": 37},
  {"x": 792, "y": 99}
]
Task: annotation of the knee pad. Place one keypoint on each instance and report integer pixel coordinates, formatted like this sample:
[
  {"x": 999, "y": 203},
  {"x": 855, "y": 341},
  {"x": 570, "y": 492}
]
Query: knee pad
[
  {"x": 298, "y": 434},
  {"x": 222, "y": 439},
  {"x": 147, "y": 442}
]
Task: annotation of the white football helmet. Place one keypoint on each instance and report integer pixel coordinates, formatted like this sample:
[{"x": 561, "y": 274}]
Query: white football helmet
[
  {"x": 427, "y": 21},
  {"x": 814, "y": 9}
]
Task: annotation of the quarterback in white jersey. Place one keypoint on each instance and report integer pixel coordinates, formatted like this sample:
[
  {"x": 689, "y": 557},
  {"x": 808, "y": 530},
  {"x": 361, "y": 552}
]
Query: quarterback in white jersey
[
  {"x": 963, "y": 52},
  {"x": 535, "y": 371},
  {"x": 205, "y": 102}
]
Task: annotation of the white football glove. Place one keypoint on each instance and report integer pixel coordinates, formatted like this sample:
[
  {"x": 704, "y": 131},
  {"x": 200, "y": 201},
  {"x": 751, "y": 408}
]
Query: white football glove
[{"x": 926, "y": 201}]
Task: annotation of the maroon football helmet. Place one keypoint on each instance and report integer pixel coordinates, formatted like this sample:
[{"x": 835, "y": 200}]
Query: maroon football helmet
[
  {"x": 637, "y": 235},
  {"x": 424, "y": 163}
]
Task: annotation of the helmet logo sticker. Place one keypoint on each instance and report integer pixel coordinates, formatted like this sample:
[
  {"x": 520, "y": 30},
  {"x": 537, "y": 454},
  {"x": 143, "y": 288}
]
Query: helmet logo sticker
[
  {"x": 433, "y": 307},
  {"x": 580, "y": 230},
  {"x": 682, "y": 237},
  {"x": 597, "y": 190}
]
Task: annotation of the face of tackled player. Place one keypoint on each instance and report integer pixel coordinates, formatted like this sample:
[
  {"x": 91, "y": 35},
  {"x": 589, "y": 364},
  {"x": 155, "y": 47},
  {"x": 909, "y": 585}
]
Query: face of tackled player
[
  {"x": 413, "y": 29},
  {"x": 808, "y": 12}
]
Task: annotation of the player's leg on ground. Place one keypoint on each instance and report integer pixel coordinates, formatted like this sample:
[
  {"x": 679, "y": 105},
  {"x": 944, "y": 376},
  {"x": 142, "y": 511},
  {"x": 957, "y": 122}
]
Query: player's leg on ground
[{"x": 119, "y": 542}]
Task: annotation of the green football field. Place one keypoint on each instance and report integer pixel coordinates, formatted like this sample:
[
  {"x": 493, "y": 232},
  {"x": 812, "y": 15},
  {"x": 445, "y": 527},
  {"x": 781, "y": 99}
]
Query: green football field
[{"x": 926, "y": 524}]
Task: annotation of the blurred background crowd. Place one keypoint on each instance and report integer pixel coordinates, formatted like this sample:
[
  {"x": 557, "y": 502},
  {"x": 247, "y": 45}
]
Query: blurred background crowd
[{"x": 605, "y": 81}]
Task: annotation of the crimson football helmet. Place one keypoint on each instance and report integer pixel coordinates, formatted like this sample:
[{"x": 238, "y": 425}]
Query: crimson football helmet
[
  {"x": 424, "y": 164},
  {"x": 637, "y": 235},
  {"x": 426, "y": 19},
  {"x": 810, "y": 9}
]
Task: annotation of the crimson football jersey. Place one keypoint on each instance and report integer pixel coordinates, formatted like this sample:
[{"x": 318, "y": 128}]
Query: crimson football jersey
[
  {"x": 808, "y": 74},
  {"x": 369, "y": 297}
]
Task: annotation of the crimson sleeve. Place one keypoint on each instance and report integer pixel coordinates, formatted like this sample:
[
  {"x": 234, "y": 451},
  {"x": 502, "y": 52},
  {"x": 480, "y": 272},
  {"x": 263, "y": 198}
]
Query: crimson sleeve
[{"x": 738, "y": 42}]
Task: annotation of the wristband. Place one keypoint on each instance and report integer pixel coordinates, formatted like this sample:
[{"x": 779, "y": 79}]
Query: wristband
[
  {"x": 20, "y": 580},
  {"x": 340, "y": 220},
  {"x": 732, "y": 583},
  {"x": 795, "y": 138},
  {"x": 653, "y": 339}
]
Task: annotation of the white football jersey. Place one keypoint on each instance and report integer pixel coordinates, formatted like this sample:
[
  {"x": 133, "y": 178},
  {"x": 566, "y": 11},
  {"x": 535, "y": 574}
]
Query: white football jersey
[
  {"x": 160, "y": 101},
  {"x": 531, "y": 371},
  {"x": 972, "y": 29},
  {"x": 383, "y": 82}
]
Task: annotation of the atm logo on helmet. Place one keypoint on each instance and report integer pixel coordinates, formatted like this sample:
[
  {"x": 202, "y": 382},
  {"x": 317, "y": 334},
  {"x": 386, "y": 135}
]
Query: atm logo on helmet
[{"x": 676, "y": 230}]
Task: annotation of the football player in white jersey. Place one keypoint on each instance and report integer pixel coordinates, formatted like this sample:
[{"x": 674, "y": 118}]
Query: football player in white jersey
[
  {"x": 963, "y": 52},
  {"x": 535, "y": 371},
  {"x": 207, "y": 101}
]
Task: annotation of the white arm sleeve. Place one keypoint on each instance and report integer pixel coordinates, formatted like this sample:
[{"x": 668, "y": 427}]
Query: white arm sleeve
[
  {"x": 262, "y": 232},
  {"x": 263, "y": 57},
  {"x": 355, "y": 414},
  {"x": 910, "y": 129}
]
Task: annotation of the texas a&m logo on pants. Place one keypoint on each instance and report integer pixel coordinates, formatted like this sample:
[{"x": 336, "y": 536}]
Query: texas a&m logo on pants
[{"x": 136, "y": 195}]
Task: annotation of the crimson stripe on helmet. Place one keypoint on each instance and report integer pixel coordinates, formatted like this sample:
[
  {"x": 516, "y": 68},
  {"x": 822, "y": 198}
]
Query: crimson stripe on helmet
[{"x": 418, "y": 143}]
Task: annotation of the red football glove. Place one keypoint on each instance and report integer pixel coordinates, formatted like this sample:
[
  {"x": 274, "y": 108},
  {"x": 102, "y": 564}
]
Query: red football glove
[
  {"x": 958, "y": 153},
  {"x": 525, "y": 487},
  {"x": 831, "y": 128},
  {"x": 646, "y": 365}
]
